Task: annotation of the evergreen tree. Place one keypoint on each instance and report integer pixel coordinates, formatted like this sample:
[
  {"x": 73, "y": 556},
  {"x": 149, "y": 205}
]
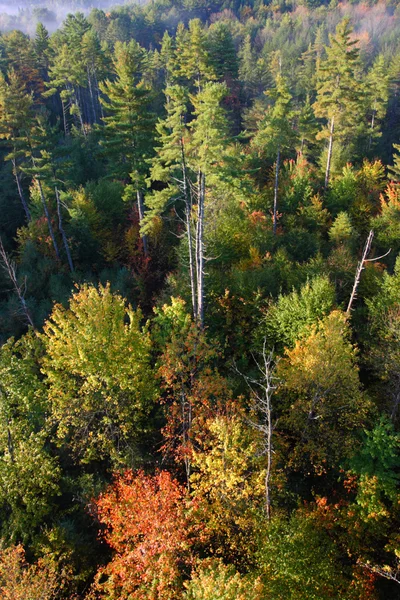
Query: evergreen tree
[
  {"x": 339, "y": 93},
  {"x": 209, "y": 137},
  {"x": 193, "y": 55},
  {"x": 170, "y": 166},
  {"x": 377, "y": 95},
  {"x": 128, "y": 126},
  {"x": 275, "y": 133},
  {"x": 15, "y": 121},
  {"x": 222, "y": 51},
  {"x": 394, "y": 170},
  {"x": 67, "y": 75},
  {"x": 42, "y": 46}
]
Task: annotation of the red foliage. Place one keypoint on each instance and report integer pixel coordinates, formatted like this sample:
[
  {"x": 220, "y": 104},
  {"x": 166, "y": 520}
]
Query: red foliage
[{"x": 148, "y": 525}]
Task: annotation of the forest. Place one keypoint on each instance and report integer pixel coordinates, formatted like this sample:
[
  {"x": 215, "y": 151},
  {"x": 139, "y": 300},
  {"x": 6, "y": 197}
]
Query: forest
[{"x": 200, "y": 303}]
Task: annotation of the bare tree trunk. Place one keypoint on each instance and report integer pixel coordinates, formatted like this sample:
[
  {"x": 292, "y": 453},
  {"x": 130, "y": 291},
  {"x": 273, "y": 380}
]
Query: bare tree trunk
[
  {"x": 278, "y": 160},
  {"x": 64, "y": 112},
  {"x": 96, "y": 83},
  {"x": 200, "y": 248},
  {"x": 89, "y": 80},
  {"x": 329, "y": 159},
  {"x": 140, "y": 206},
  {"x": 372, "y": 125},
  {"x": 360, "y": 268},
  {"x": 9, "y": 268},
  {"x": 262, "y": 391},
  {"x": 46, "y": 212},
  {"x": 78, "y": 105},
  {"x": 188, "y": 210},
  {"x": 20, "y": 190},
  {"x": 61, "y": 228}
]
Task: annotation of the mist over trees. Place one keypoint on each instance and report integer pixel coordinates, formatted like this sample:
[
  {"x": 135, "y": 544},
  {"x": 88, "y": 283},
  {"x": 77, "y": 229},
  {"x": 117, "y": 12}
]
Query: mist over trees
[{"x": 200, "y": 302}]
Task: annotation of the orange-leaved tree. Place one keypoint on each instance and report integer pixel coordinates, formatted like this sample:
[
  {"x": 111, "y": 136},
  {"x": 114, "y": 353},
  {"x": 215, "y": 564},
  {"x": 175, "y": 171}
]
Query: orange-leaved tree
[{"x": 148, "y": 525}]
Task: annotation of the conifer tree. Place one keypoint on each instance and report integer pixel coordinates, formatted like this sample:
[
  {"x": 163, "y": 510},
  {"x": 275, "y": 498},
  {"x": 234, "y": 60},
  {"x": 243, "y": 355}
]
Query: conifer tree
[
  {"x": 209, "y": 137},
  {"x": 95, "y": 64},
  {"x": 394, "y": 171},
  {"x": 15, "y": 120},
  {"x": 193, "y": 56},
  {"x": 222, "y": 52},
  {"x": 48, "y": 168},
  {"x": 168, "y": 59},
  {"x": 338, "y": 90},
  {"x": 67, "y": 75},
  {"x": 42, "y": 45},
  {"x": 275, "y": 133},
  {"x": 128, "y": 126},
  {"x": 170, "y": 166},
  {"x": 377, "y": 94}
]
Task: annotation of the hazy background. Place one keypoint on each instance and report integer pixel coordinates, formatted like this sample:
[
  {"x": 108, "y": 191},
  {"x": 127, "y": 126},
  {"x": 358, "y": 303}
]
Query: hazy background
[{"x": 25, "y": 15}]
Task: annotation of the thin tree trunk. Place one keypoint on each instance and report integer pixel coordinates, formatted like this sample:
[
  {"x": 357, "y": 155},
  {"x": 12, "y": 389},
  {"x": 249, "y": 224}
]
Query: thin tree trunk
[
  {"x": 360, "y": 268},
  {"x": 372, "y": 125},
  {"x": 20, "y": 191},
  {"x": 78, "y": 105},
  {"x": 278, "y": 160},
  {"x": 188, "y": 210},
  {"x": 64, "y": 112},
  {"x": 10, "y": 444},
  {"x": 96, "y": 84},
  {"x": 329, "y": 159},
  {"x": 64, "y": 237},
  {"x": 140, "y": 205},
  {"x": 200, "y": 248},
  {"x": 9, "y": 268},
  {"x": 46, "y": 212},
  {"x": 89, "y": 79}
]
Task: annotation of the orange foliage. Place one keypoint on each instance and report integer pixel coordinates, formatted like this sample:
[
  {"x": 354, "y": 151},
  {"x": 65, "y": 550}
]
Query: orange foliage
[{"x": 148, "y": 525}]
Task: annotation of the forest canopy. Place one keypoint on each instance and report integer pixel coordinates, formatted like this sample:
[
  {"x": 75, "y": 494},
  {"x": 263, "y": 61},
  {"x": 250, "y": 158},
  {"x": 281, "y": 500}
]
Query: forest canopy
[{"x": 200, "y": 302}]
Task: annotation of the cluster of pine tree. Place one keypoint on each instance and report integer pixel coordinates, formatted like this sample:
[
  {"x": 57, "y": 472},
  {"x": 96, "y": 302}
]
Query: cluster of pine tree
[{"x": 200, "y": 305}]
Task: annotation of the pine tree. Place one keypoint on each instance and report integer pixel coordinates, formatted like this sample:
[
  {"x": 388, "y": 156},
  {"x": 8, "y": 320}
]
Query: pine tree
[
  {"x": 209, "y": 138},
  {"x": 394, "y": 170},
  {"x": 48, "y": 166},
  {"x": 193, "y": 56},
  {"x": 170, "y": 166},
  {"x": 275, "y": 133},
  {"x": 307, "y": 126},
  {"x": 377, "y": 94},
  {"x": 67, "y": 75},
  {"x": 168, "y": 59},
  {"x": 42, "y": 46},
  {"x": 128, "y": 126},
  {"x": 338, "y": 90},
  {"x": 95, "y": 65},
  {"x": 222, "y": 51},
  {"x": 15, "y": 122}
]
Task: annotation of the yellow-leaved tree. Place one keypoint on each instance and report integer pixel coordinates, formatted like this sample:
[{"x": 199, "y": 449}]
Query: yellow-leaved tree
[
  {"x": 322, "y": 387},
  {"x": 100, "y": 378}
]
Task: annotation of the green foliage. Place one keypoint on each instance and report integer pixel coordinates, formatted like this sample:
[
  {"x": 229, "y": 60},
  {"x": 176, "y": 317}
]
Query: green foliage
[
  {"x": 100, "y": 380},
  {"x": 293, "y": 315},
  {"x": 213, "y": 579},
  {"x": 29, "y": 475},
  {"x": 376, "y": 467},
  {"x": 299, "y": 560}
]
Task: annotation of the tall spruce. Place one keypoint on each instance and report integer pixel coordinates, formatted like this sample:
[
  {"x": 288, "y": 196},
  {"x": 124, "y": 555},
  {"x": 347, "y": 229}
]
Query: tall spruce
[
  {"x": 209, "y": 138},
  {"x": 275, "y": 133},
  {"x": 15, "y": 121},
  {"x": 339, "y": 93},
  {"x": 128, "y": 125}
]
